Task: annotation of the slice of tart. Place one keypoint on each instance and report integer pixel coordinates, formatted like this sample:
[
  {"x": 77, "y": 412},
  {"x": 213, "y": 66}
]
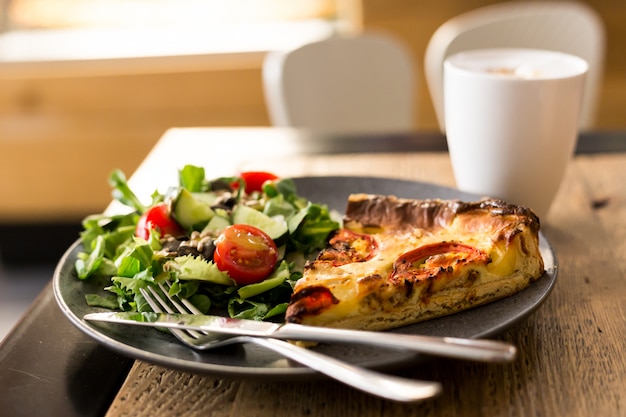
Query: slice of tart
[{"x": 400, "y": 261}]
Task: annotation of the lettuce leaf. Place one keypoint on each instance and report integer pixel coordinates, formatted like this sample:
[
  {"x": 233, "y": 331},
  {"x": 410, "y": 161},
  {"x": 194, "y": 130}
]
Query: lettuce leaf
[{"x": 195, "y": 268}]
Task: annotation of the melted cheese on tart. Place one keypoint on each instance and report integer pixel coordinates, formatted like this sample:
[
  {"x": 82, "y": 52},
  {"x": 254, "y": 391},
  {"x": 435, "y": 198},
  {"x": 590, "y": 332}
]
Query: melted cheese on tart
[{"x": 467, "y": 254}]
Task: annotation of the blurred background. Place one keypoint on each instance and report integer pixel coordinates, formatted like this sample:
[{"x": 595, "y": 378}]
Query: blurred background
[{"x": 87, "y": 86}]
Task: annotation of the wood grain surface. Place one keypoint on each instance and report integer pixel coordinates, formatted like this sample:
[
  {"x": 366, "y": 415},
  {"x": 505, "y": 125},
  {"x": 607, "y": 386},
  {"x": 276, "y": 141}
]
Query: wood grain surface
[{"x": 571, "y": 351}]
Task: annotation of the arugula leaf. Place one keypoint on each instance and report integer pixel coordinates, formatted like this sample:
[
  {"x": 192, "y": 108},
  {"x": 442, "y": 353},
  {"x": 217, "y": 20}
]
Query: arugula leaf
[
  {"x": 246, "y": 309},
  {"x": 136, "y": 258},
  {"x": 310, "y": 227},
  {"x": 280, "y": 274},
  {"x": 100, "y": 245},
  {"x": 279, "y": 206},
  {"x": 220, "y": 295},
  {"x": 96, "y": 300},
  {"x": 86, "y": 267},
  {"x": 124, "y": 297},
  {"x": 115, "y": 229},
  {"x": 107, "y": 268},
  {"x": 123, "y": 193},
  {"x": 202, "y": 302},
  {"x": 277, "y": 310},
  {"x": 184, "y": 289},
  {"x": 192, "y": 178},
  {"x": 287, "y": 187}
]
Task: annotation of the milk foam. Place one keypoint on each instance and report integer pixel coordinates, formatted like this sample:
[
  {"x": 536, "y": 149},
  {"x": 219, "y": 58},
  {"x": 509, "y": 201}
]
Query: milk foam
[{"x": 519, "y": 63}]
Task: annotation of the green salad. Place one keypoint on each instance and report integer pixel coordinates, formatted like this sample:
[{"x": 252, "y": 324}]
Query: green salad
[{"x": 233, "y": 245}]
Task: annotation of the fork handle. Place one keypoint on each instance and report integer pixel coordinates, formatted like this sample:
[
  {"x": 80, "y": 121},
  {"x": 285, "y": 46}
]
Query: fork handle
[
  {"x": 382, "y": 385},
  {"x": 473, "y": 349}
]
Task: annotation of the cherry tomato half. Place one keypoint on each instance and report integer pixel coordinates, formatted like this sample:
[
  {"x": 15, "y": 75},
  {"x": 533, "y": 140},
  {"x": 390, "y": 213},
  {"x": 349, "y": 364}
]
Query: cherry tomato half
[
  {"x": 158, "y": 217},
  {"x": 255, "y": 180},
  {"x": 246, "y": 253}
]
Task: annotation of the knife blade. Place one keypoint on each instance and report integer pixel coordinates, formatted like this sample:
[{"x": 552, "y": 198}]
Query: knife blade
[{"x": 472, "y": 349}]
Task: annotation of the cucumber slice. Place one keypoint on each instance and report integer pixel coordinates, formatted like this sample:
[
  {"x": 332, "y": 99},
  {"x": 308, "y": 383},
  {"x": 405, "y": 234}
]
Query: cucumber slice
[
  {"x": 216, "y": 225},
  {"x": 190, "y": 211},
  {"x": 207, "y": 198},
  {"x": 274, "y": 227}
]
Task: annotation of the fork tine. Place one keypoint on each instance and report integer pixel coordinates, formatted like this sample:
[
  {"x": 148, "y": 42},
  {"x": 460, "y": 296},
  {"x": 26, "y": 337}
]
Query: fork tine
[
  {"x": 160, "y": 300},
  {"x": 157, "y": 304},
  {"x": 171, "y": 299},
  {"x": 190, "y": 308},
  {"x": 175, "y": 300},
  {"x": 153, "y": 304}
]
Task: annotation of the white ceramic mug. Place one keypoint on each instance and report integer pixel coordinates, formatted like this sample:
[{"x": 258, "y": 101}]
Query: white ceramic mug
[{"x": 511, "y": 118}]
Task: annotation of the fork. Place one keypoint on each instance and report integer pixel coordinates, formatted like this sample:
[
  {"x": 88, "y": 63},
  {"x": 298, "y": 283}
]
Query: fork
[{"x": 372, "y": 382}]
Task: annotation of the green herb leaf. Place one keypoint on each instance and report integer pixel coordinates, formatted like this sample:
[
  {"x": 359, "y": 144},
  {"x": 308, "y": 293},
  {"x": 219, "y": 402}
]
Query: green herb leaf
[
  {"x": 86, "y": 267},
  {"x": 280, "y": 274},
  {"x": 123, "y": 193},
  {"x": 192, "y": 178},
  {"x": 246, "y": 309},
  {"x": 310, "y": 227},
  {"x": 195, "y": 268},
  {"x": 202, "y": 302},
  {"x": 96, "y": 300},
  {"x": 136, "y": 258}
]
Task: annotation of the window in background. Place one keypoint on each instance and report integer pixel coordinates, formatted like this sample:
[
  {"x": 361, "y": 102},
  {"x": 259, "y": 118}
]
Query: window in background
[
  {"x": 62, "y": 30},
  {"x": 159, "y": 13},
  {"x": 48, "y": 30}
]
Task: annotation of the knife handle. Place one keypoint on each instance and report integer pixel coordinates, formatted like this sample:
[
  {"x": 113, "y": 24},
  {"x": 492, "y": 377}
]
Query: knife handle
[{"x": 461, "y": 348}]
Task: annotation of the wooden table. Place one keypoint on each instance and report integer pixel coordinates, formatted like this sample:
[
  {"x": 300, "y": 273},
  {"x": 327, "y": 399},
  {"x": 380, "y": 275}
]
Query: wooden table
[{"x": 571, "y": 350}]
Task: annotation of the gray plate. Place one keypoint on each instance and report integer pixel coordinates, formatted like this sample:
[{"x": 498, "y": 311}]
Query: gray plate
[{"x": 252, "y": 361}]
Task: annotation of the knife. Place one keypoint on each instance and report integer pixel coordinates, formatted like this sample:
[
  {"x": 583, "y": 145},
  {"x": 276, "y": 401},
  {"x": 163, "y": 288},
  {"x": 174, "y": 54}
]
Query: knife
[{"x": 473, "y": 349}]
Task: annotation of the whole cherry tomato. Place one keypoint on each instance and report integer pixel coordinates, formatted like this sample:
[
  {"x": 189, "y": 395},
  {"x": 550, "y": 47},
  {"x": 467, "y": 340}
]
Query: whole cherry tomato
[
  {"x": 246, "y": 253},
  {"x": 255, "y": 180},
  {"x": 158, "y": 217}
]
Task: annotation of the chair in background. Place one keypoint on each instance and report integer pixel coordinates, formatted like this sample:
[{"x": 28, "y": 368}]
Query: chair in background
[
  {"x": 346, "y": 83},
  {"x": 569, "y": 27}
]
